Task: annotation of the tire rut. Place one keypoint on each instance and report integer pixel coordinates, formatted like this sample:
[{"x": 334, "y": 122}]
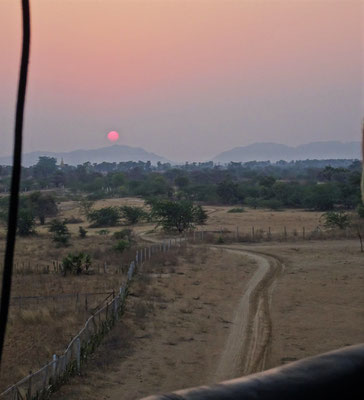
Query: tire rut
[{"x": 248, "y": 344}]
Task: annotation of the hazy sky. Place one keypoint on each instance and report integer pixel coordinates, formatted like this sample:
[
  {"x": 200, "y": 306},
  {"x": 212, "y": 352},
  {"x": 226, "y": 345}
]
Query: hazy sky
[{"x": 184, "y": 78}]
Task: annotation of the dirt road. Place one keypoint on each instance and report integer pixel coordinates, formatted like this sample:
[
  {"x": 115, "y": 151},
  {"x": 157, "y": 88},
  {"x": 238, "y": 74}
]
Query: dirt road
[{"x": 247, "y": 345}]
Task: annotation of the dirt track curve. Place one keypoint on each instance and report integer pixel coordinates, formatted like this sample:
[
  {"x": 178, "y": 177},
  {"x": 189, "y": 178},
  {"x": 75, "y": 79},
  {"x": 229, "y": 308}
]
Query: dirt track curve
[
  {"x": 247, "y": 346},
  {"x": 248, "y": 343}
]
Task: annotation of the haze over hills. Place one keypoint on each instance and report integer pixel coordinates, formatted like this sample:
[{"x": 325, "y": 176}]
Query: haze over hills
[
  {"x": 275, "y": 152},
  {"x": 115, "y": 153}
]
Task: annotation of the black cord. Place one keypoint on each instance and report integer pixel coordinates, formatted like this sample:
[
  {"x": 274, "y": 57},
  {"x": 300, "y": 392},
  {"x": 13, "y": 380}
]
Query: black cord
[{"x": 15, "y": 178}]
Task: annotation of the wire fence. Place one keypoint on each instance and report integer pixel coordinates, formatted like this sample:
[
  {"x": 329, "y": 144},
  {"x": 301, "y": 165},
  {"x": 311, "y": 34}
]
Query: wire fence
[
  {"x": 254, "y": 234},
  {"x": 63, "y": 302},
  {"x": 39, "y": 384}
]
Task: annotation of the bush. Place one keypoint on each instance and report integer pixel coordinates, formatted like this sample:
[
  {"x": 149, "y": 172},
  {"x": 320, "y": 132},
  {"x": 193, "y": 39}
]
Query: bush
[
  {"x": 43, "y": 205},
  {"x": 272, "y": 204},
  {"x": 61, "y": 234},
  {"x": 200, "y": 215},
  {"x": 176, "y": 215},
  {"x": 76, "y": 264},
  {"x": 107, "y": 216},
  {"x": 252, "y": 202},
  {"x": 336, "y": 219},
  {"x": 360, "y": 210},
  {"x": 132, "y": 214},
  {"x": 103, "y": 232},
  {"x": 26, "y": 223},
  {"x": 122, "y": 245},
  {"x": 82, "y": 232},
  {"x": 123, "y": 234},
  {"x": 236, "y": 210},
  {"x": 220, "y": 240},
  {"x": 73, "y": 220}
]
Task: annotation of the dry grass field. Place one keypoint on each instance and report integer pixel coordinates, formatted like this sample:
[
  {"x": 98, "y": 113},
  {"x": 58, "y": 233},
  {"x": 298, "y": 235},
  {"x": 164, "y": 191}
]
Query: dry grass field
[
  {"x": 39, "y": 328},
  {"x": 181, "y": 311},
  {"x": 219, "y": 217},
  {"x": 178, "y": 318}
]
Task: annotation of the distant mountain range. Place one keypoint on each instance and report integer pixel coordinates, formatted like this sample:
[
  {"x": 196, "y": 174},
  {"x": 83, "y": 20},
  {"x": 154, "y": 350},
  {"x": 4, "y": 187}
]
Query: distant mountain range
[
  {"x": 115, "y": 153},
  {"x": 254, "y": 152},
  {"x": 276, "y": 152}
]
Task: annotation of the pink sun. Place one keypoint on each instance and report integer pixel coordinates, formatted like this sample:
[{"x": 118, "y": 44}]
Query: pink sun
[{"x": 113, "y": 136}]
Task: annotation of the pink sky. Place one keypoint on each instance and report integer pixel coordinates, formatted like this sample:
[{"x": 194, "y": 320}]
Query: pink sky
[{"x": 208, "y": 75}]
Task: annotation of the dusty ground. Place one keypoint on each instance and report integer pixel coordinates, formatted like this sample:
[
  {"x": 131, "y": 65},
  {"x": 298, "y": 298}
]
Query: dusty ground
[
  {"x": 173, "y": 333},
  {"x": 287, "y": 301},
  {"x": 318, "y": 301},
  {"x": 219, "y": 217},
  {"x": 315, "y": 304}
]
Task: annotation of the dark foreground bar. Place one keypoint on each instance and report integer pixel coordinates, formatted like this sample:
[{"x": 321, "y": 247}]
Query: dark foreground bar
[{"x": 335, "y": 375}]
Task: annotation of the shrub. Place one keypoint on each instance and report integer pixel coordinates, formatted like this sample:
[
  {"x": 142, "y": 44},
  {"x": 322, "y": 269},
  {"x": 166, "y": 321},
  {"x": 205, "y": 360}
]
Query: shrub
[
  {"x": 176, "y": 215},
  {"x": 252, "y": 202},
  {"x": 26, "y": 223},
  {"x": 82, "y": 232},
  {"x": 103, "y": 232},
  {"x": 272, "y": 204},
  {"x": 107, "y": 216},
  {"x": 61, "y": 234},
  {"x": 77, "y": 263},
  {"x": 220, "y": 240},
  {"x": 122, "y": 245},
  {"x": 123, "y": 234},
  {"x": 336, "y": 219},
  {"x": 200, "y": 215},
  {"x": 236, "y": 210},
  {"x": 43, "y": 205},
  {"x": 360, "y": 210},
  {"x": 73, "y": 220},
  {"x": 132, "y": 214}
]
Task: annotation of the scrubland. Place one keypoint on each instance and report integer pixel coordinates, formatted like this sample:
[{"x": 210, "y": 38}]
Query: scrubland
[{"x": 180, "y": 311}]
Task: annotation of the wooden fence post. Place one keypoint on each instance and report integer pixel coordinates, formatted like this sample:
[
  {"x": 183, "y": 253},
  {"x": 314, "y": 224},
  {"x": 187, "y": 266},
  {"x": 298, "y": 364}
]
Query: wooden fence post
[
  {"x": 303, "y": 233},
  {"x": 285, "y": 233},
  {"x": 54, "y": 366},
  {"x": 269, "y": 234},
  {"x": 29, "y": 391},
  {"x": 78, "y": 354},
  {"x": 253, "y": 233}
]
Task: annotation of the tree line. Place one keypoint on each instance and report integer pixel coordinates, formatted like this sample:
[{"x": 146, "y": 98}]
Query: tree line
[{"x": 310, "y": 184}]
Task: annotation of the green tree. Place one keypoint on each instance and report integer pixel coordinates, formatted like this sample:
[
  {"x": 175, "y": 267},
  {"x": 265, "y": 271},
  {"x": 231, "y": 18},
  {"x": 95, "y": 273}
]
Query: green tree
[
  {"x": 85, "y": 206},
  {"x": 82, "y": 232},
  {"x": 175, "y": 215},
  {"x": 61, "y": 234},
  {"x": 181, "y": 181},
  {"x": 107, "y": 216},
  {"x": 26, "y": 222},
  {"x": 132, "y": 214},
  {"x": 201, "y": 216},
  {"x": 43, "y": 205},
  {"x": 122, "y": 245},
  {"x": 321, "y": 197},
  {"x": 336, "y": 219},
  {"x": 45, "y": 167},
  {"x": 228, "y": 192},
  {"x": 76, "y": 264}
]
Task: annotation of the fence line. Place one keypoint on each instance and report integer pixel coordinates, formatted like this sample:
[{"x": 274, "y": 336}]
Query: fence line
[
  {"x": 39, "y": 384},
  {"x": 255, "y": 234}
]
